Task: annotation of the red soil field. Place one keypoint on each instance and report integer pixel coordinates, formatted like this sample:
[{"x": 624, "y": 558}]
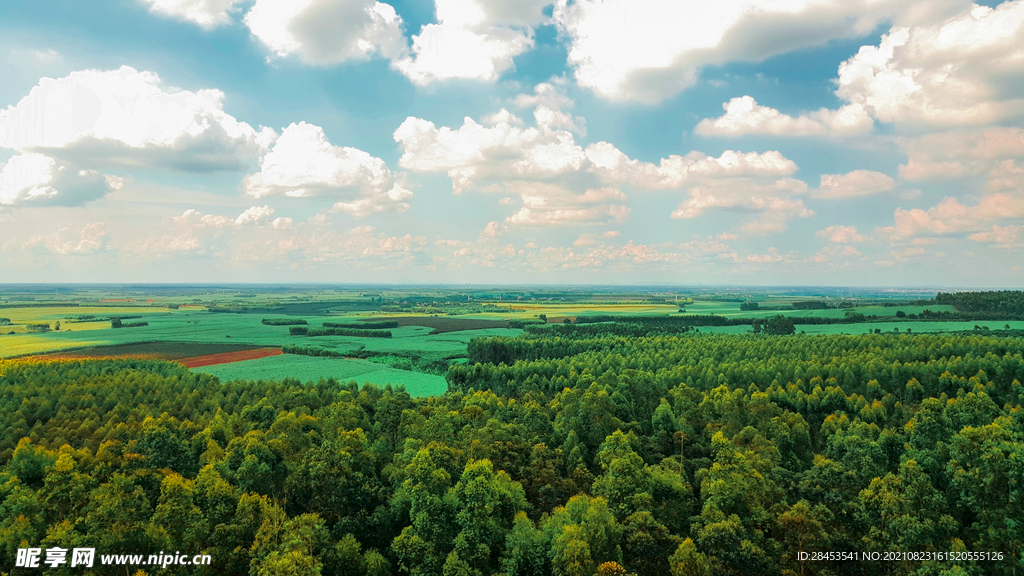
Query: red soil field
[{"x": 227, "y": 357}]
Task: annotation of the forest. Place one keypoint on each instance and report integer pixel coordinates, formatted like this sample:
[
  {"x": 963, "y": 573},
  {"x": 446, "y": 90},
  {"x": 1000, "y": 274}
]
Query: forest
[{"x": 565, "y": 451}]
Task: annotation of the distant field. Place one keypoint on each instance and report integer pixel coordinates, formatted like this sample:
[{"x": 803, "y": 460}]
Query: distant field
[
  {"x": 49, "y": 315},
  {"x": 312, "y": 369},
  {"x": 532, "y": 310},
  {"x": 732, "y": 309},
  {"x": 442, "y": 324},
  {"x": 918, "y": 327}
]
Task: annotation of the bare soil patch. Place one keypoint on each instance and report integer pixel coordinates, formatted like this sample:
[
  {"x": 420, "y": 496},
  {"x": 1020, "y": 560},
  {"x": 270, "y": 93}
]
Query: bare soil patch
[{"x": 228, "y": 357}]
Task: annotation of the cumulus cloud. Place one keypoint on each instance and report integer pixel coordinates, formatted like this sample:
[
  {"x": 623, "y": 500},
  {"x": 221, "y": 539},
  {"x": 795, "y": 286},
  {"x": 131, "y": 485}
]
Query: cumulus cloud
[
  {"x": 547, "y": 205},
  {"x": 322, "y": 32},
  {"x": 469, "y": 40},
  {"x": 543, "y": 165},
  {"x": 126, "y": 117},
  {"x": 475, "y": 152},
  {"x": 853, "y": 184},
  {"x": 744, "y": 116},
  {"x": 648, "y": 50},
  {"x": 363, "y": 243},
  {"x": 206, "y": 13},
  {"x": 739, "y": 182},
  {"x": 35, "y": 178},
  {"x": 951, "y": 216},
  {"x": 957, "y": 71},
  {"x": 612, "y": 165},
  {"x": 68, "y": 240},
  {"x": 841, "y": 235},
  {"x": 771, "y": 255},
  {"x": 771, "y": 203},
  {"x": 836, "y": 254},
  {"x": 960, "y": 153},
  {"x": 1005, "y": 236},
  {"x": 303, "y": 162},
  {"x": 964, "y": 70},
  {"x": 560, "y": 182},
  {"x": 199, "y": 233},
  {"x": 991, "y": 154}
]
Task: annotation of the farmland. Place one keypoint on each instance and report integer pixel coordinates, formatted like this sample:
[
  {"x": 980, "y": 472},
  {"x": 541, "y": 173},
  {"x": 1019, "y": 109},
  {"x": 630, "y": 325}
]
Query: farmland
[
  {"x": 307, "y": 369},
  {"x": 434, "y": 325},
  {"x": 667, "y": 419}
]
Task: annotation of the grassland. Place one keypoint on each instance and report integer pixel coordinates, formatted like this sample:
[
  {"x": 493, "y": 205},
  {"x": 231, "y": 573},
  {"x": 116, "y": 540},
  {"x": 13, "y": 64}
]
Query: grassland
[{"x": 310, "y": 369}]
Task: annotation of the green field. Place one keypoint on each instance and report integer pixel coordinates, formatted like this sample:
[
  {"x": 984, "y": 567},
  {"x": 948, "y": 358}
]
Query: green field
[
  {"x": 199, "y": 326},
  {"x": 219, "y": 316},
  {"x": 864, "y": 328},
  {"x": 311, "y": 369},
  {"x": 732, "y": 309}
]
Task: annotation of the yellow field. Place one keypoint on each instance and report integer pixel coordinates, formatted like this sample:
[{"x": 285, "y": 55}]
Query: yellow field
[
  {"x": 49, "y": 315},
  {"x": 21, "y": 344},
  {"x": 579, "y": 308}
]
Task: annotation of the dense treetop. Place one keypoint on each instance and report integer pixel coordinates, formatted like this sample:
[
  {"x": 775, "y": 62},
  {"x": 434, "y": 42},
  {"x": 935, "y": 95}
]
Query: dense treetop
[{"x": 559, "y": 452}]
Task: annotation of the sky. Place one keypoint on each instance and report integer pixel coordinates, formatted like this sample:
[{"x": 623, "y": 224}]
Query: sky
[{"x": 753, "y": 142}]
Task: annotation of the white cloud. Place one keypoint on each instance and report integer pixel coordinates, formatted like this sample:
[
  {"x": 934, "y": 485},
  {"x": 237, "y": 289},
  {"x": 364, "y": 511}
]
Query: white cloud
[
  {"x": 46, "y": 57},
  {"x": 363, "y": 243},
  {"x": 964, "y": 70},
  {"x": 206, "y": 13},
  {"x": 835, "y": 254},
  {"x": 648, "y": 50},
  {"x": 255, "y": 215},
  {"x": 744, "y": 116},
  {"x": 466, "y": 42},
  {"x": 960, "y": 153},
  {"x": 303, "y": 162},
  {"x": 950, "y": 216},
  {"x": 475, "y": 152},
  {"x": 841, "y": 234},
  {"x": 770, "y": 202},
  {"x": 200, "y": 233},
  {"x": 88, "y": 239},
  {"x": 560, "y": 182},
  {"x": 394, "y": 200},
  {"x": 612, "y": 165},
  {"x": 741, "y": 182},
  {"x": 126, "y": 117},
  {"x": 322, "y": 32},
  {"x": 853, "y": 184},
  {"x": 36, "y": 178},
  {"x": 547, "y": 205},
  {"x": 473, "y": 39},
  {"x": 771, "y": 255},
  {"x": 1001, "y": 235}
]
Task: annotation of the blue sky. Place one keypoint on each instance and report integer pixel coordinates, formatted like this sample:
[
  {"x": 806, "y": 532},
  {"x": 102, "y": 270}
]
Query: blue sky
[{"x": 618, "y": 141}]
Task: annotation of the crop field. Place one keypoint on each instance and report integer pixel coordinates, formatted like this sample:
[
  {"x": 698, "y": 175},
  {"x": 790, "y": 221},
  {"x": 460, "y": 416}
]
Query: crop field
[
  {"x": 49, "y": 315},
  {"x": 732, "y": 309},
  {"x": 441, "y": 324},
  {"x": 229, "y": 357},
  {"x": 183, "y": 323},
  {"x": 151, "y": 350},
  {"x": 863, "y": 328},
  {"x": 310, "y": 369}
]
